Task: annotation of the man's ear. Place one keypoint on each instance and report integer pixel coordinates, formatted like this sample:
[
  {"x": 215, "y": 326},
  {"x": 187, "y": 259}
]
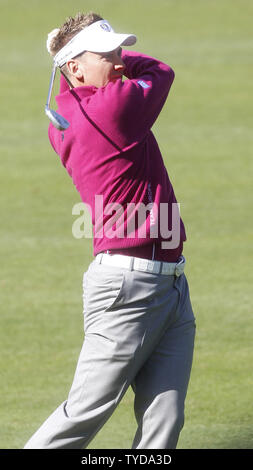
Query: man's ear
[{"x": 74, "y": 69}]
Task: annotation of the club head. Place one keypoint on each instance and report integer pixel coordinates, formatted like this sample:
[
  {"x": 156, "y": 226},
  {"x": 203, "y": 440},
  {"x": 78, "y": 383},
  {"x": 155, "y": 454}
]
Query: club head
[{"x": 57, "y": 120}]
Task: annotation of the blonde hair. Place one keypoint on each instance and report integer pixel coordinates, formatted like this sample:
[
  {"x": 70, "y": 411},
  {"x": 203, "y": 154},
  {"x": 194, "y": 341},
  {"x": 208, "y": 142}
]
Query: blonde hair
[{"x": 59, "y": 37}]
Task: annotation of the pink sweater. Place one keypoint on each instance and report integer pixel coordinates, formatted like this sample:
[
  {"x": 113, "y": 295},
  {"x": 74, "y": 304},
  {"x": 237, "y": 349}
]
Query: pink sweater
[{"x": 110, "y": 152}]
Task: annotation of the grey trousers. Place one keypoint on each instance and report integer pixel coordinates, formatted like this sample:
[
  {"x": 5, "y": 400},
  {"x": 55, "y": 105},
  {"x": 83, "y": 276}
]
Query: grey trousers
[{"x": 139, "y": 331}]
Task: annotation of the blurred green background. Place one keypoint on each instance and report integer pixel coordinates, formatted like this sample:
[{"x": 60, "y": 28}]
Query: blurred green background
[{"x": 205, "y": 134}]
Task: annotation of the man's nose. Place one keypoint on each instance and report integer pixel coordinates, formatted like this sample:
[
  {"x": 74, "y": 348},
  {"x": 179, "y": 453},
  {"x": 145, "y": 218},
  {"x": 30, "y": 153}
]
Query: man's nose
[{"x": 120, "y": 67}]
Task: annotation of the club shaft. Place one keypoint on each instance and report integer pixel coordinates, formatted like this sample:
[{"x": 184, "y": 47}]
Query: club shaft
[{"x": 51, "y": 84}]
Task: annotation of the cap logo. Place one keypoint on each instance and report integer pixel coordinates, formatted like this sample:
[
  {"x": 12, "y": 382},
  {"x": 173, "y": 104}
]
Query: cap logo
[{"x": 106, "y": 27}]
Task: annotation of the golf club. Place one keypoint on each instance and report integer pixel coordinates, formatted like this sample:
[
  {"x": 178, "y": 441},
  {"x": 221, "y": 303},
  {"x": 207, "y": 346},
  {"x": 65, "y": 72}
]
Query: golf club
[{"x": 57, "y": 120}]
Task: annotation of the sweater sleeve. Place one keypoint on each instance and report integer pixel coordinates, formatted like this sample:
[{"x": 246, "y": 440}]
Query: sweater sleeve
[{"x": 128, "y": 109}]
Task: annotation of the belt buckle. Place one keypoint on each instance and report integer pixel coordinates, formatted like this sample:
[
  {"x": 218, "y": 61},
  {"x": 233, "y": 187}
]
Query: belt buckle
[
  {"x": 155, "y": 266},
  {"x": 179, "y": 269}
]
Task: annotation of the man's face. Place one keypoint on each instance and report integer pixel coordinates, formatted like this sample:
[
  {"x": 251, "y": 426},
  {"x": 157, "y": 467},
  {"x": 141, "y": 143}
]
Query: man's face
[{"x": 93, "y": 69}]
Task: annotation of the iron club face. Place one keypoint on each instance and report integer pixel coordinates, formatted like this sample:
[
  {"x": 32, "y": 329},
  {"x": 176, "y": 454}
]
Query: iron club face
[{"x": 57, "y": 120}]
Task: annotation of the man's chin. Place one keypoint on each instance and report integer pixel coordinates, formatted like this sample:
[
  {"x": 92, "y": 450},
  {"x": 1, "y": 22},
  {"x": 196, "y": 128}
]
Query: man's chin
[{"x": 116, "y": 78}]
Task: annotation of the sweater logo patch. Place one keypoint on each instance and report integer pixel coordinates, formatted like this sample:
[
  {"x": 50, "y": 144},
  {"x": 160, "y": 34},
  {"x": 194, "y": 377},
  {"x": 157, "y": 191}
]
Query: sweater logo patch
[{"x": 143, "y": 84}]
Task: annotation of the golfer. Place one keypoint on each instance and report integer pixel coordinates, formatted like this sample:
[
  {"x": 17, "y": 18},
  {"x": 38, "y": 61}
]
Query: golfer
[{"x": 138, "y": 320}]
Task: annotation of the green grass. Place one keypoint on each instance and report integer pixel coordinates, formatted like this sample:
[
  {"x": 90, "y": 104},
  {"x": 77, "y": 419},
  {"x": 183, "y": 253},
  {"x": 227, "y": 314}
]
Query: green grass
[{"x": 205, "y": 134}]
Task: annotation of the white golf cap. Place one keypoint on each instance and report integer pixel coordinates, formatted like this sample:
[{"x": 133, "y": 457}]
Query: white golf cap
[{"x": 97, "y": 37}]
